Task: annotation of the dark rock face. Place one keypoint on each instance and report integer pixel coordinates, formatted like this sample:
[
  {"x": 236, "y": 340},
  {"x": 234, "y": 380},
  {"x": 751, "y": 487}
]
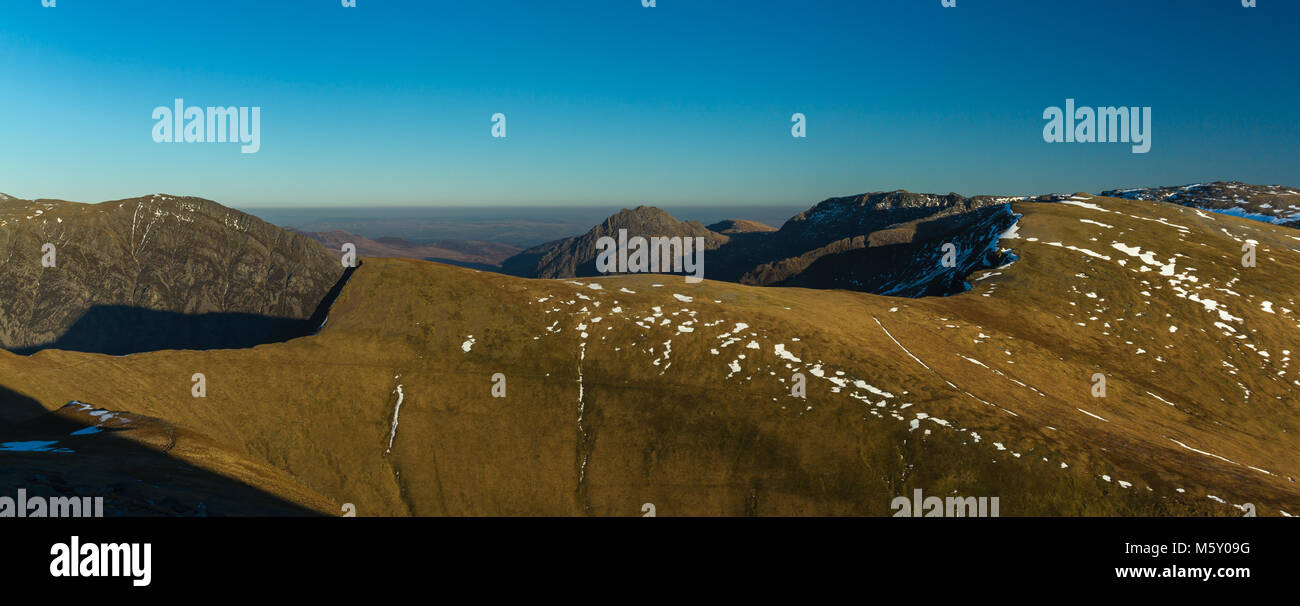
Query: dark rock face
[
  {"x": 884, "y": 242},
  {"x": 839, "y": 218},
  {"x": 154, "y": 272},
  {"x": 884, "y": 264},
  {"x": 877, "y": 219},
  {"x": 1269, "y": 203}
]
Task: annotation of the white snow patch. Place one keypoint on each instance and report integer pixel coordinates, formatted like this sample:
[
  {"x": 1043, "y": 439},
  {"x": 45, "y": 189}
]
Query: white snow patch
[
  {"x": 1091, "y": 415},
  {"x": 392, "y": 431},
  {"x": 781, "y": 352},
  {"x": 1087, "y": 205},
  {"x": 1096, "y": 223}
]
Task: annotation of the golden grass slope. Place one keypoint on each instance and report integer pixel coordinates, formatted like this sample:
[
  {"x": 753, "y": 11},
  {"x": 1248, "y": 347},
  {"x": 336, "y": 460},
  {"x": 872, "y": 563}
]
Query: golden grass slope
[{"x": 628, "y": 390}]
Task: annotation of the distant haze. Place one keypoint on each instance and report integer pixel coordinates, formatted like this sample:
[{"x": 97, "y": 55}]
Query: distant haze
[{"x": 522, "y": 226}]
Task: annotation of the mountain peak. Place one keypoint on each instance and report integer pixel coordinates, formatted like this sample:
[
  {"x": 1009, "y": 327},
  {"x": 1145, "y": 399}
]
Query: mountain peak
[
  {"x": 650, "y": 221},
  {"x": 641, "y": 216},
  {"x": 739, "y": 226},
  {"x": 576, "y": 256}
]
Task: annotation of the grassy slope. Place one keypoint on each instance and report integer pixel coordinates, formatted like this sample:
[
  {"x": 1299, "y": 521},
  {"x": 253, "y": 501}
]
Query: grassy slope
[{"x": 693, "y": 437}]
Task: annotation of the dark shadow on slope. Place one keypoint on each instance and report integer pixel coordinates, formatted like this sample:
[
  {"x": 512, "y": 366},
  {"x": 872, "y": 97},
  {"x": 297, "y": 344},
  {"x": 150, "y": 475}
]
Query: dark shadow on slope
[
  {"x": 122, "y": 329},
  {"x": 40, "y": 455},
  {"x": 318, "y": 317},
  {"x": 15, "y": 407},
  {"x": 524, "y": 264}
]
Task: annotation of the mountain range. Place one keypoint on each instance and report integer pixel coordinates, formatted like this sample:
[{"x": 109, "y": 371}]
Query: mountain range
[
  {"x": 1094, "y": 355},
  {"x": 886, "y": 242}
]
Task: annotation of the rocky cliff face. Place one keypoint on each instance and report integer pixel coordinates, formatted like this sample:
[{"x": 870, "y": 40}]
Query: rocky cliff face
[
  {"x": 156, "y": 272},
  {"x": 904, "y": 261},
  {"x": 898, "y": 227},
  {"x": 838, "y": 218}
]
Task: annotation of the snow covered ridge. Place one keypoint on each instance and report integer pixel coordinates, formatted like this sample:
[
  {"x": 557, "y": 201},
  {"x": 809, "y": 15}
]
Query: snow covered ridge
[
  {"x": 1276, "y": 204},
  {"x": 99, "y": 420}
]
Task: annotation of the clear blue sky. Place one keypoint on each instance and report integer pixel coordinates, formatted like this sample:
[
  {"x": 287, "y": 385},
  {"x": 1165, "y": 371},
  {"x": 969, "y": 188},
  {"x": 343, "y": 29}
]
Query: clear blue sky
[{"x": 608, "y": 102}]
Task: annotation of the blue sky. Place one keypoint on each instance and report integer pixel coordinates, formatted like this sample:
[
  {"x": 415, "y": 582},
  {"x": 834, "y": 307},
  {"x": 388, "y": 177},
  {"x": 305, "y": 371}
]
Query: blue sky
[{"x": 607, "y": 102}]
